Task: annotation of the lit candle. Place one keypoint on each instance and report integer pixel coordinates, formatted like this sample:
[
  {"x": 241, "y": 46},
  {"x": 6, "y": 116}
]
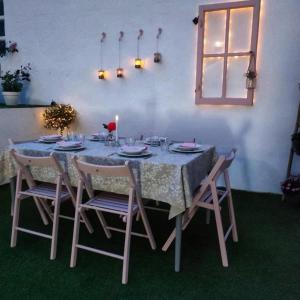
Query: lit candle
[{"x": 117, "y": 125}]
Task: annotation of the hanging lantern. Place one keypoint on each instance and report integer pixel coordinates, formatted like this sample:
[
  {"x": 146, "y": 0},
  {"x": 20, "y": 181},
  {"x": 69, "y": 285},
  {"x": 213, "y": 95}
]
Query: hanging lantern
[
  {"x": 157, "y": 55},
  {"x": 251, "y": 73},
  {"x": 120, "y": 73},
  {"x": 138, "y": 62},
  {"x": 119, "y": 70},
  {"x": 101, "y": 72}
]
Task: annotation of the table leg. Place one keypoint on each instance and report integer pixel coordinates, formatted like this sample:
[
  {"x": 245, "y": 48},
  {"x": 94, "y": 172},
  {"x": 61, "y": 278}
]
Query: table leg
[
  {"x": 12, "y": 184},
  {"x": 178, "y": 242}
]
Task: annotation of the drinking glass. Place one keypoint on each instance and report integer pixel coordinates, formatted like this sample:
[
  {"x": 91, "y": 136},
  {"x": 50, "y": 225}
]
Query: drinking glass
[
  {"x": 130, "y": 141},
  {"x": 164, "y": 144},
  {"x": 71, "y": 136},
  {"x": 155, "y": 141},
  {"x": 81, "y": 138}
]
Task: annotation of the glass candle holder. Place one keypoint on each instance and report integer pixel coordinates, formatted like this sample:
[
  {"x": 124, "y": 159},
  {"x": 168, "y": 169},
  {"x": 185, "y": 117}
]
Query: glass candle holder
[{"x": 157, "y": 57}]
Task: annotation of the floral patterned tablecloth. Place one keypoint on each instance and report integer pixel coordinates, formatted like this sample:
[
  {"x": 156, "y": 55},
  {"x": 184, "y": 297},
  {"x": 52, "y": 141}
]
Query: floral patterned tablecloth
[{"x": 165, "y": 176}]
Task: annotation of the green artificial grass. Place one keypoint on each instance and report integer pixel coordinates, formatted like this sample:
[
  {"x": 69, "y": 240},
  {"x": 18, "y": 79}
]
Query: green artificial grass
[{"x": 264, "y": 264}]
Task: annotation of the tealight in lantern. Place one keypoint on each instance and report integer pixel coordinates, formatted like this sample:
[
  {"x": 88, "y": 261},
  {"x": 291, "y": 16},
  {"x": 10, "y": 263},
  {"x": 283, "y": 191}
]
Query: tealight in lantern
[
  {"x": 101, "y": 72},
  {"x": 119, "y": 71},
  {"x": 138, "y": 63}
]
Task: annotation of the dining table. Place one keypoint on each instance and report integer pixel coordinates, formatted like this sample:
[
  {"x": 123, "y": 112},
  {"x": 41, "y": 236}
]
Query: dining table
[{"x": 164, "y": 175}]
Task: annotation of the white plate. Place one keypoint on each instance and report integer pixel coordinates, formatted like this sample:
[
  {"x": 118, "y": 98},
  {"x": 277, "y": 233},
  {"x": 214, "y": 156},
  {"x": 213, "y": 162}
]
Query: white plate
[
  {"x": 154, "y": 144},
  {"x": 51, "y": 137},
  {"x": 48, "y": 141},
  {"x": 69, "y": 148},
  {"x": 96, "y": 139},
  {"x": 199, "y": 150},
  {"x": 133, "y": 150},
  {"x": 143, "y": 154},
  {"x": 191, "y": 148}
]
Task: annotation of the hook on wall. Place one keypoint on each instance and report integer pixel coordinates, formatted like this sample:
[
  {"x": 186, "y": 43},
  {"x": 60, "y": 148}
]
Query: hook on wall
[
  {"x": 159, "y": 33},
  {"x": 121, "y": 36},
  {"x": 141, "y": 32},
  {"x": 103, "y": 36}
]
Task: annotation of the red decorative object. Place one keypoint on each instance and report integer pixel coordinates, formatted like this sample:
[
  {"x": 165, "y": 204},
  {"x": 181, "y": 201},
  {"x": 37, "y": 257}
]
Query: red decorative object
[{"x": 111, "y": 126}]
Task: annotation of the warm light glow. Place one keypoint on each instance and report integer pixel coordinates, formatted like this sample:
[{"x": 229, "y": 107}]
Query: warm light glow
[
  {"x": 218, "y": 44},
  {"x": 101, "y": 74},
  {"x": 138, "y": 63},
  {"x": 119, "y": 72}
]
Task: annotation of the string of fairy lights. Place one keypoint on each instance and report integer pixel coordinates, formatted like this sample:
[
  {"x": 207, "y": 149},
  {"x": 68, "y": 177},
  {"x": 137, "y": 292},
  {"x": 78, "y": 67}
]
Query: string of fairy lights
[{"x": 59, "y": 116}]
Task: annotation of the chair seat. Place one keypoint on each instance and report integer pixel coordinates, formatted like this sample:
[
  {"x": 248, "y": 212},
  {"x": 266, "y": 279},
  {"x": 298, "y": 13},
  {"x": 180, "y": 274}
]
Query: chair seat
[
  {"x": 110, "y": 203},
  {"x": 46, "y": 191}
]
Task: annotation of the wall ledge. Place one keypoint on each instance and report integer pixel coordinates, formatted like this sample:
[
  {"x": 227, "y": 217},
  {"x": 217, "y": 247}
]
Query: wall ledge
[{"x": 4, "y": 106}]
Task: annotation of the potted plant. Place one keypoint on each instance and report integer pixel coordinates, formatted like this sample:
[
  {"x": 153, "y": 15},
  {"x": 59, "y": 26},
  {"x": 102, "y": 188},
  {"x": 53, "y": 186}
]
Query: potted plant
[{"x": 12, "y": 84}]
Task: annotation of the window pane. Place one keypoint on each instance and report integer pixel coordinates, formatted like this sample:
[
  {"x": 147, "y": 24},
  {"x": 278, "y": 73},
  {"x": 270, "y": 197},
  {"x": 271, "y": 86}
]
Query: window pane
[
  {"x": 1, "y": 8},
  {"x": 240, "y": 29},
  {"x": 212, "y": 77},
  {"x": 236, "y": 81},
  {"x": 214, "y": 32},
  {"x": 2, "y": 32}
]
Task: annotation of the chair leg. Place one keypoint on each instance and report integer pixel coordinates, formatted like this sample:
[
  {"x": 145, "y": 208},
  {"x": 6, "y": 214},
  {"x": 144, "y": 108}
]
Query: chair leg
[
  {"x": 104, "y": 224},
  {"x": 231, "y": 208},
  {"x": 146, "y": 223},
  {"x": 15, "y": 224},
  {"x": 12, "y": 193},
  {"x": 55, "y": 229},
  {"x": 187, "y": 217},
  {"x": 47, "y": 209},
  {"x": 87, "y": 222},
  {"x": 221, "y": 237},
  {"x": 127, "y": 244},
  {"x": 232, "y": 219},
  {"x": 41, "y": 211},
  {"x": 75, "y": 239}
]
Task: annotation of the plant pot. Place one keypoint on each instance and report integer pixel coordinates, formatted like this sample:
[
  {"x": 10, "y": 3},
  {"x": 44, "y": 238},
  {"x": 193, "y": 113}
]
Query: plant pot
[{"x": 11, "y": 98}]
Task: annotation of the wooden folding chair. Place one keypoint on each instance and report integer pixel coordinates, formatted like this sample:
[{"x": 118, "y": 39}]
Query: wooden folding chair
[
  {"x": 114, "y": 204},
  {"x": 39, "y": 204},
  {"x": 210, "y": 198},
  {"x": 41, "y": 193}
]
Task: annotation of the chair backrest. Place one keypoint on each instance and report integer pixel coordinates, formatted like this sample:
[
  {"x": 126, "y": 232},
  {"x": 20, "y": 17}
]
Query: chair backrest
[
  {"x": 222, "y": 164},
  {"x": 86, "y": 169},
  {"x": 24, "y": 161}
]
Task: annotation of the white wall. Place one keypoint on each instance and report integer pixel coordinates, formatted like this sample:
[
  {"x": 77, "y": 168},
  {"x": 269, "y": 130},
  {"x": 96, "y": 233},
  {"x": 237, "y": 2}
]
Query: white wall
[
  {"x": 61, "y": 41},
  {"x": 20, "y": 124}
]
